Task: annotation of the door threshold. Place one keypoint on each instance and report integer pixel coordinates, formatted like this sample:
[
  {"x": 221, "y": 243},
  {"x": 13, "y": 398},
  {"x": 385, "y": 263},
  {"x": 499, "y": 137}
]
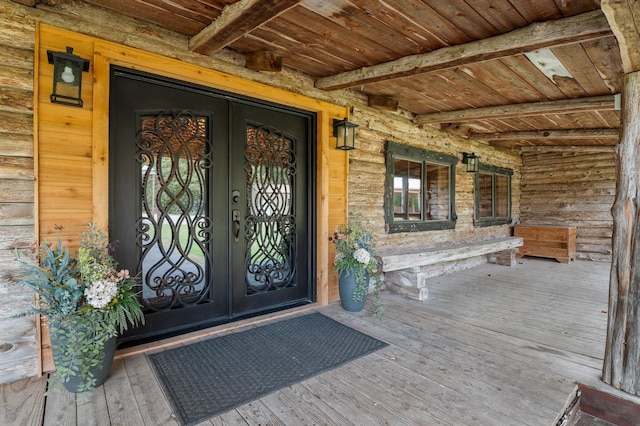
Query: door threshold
[{"x": 210, "y": 332}]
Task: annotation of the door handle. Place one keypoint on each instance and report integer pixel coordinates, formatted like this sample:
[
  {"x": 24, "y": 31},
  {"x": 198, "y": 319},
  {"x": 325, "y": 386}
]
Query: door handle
[{"x": 235, "y": 217}]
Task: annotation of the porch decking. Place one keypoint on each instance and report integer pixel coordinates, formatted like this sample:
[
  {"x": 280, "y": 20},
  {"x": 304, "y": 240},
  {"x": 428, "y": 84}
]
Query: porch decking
[{"x": 491, "y": 346}]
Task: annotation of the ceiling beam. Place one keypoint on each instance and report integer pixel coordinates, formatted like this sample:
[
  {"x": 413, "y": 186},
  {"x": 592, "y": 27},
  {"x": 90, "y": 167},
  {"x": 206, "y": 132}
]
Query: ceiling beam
[
  {"x": 575, "y": 29},
  {"x": 549, "y": 134},
  {"x": 596, "y": 103},
  {"x": 237, "y": 20},
  {"x": 623, "y": 17}
]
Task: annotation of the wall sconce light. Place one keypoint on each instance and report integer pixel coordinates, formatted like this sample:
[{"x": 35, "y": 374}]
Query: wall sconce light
[
  {"x": 67, "y": 77},
  {"x": 472, "y": 161},
  {"x": 345, "y": 134}
]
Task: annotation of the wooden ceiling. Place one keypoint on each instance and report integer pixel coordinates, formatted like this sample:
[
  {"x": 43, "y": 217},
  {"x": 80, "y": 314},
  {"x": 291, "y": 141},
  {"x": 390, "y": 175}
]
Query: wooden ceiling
[{"x": 458, "y": 65}]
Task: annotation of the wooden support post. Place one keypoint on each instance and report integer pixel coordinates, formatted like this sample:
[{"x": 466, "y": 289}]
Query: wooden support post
[{"x": 621, "y": 368}]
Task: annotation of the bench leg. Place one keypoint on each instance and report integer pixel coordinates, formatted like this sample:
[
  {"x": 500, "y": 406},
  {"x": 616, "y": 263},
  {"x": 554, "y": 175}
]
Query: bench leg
[
  {"x": 504, "y": 257},
  {"x": 408, "y": 283}
]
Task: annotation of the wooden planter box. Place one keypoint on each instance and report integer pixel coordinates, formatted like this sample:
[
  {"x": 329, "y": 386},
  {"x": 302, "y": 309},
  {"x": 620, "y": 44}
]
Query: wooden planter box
[{"x": 557, "y": 242}]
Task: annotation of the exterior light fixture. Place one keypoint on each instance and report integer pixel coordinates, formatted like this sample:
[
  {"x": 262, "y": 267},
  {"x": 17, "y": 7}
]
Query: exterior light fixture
[
  {"x": 67, "y": 77},
  {"x": 345, "y": 134},
  {"x": 472, "y": 161}
]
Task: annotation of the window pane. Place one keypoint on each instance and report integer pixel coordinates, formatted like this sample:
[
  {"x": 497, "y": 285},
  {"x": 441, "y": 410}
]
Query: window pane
[
  {"x": 484, "y": 191},
  {"x": 407, "y": 190},
  {"x": 502, "y": 196},
  {"x": 437, "y": 192}
]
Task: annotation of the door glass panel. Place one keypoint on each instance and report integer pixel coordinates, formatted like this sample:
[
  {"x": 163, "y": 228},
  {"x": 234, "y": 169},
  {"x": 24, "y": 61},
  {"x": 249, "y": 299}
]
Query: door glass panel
[
  {"x": 270, "y": 164},
  {"x": 174, "y": 231}
]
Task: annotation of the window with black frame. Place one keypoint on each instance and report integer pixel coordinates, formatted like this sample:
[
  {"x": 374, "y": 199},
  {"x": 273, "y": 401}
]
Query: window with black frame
[
  {"x": 493, "y": 195},
  {"x": 419, "y": 189}
]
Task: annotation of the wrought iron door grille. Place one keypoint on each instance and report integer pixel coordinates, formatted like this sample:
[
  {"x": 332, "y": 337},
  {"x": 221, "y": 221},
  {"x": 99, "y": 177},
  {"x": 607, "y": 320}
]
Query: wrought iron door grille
[
  {"x": 174, "y": 231},
  {"x": 270, "y": 165}
]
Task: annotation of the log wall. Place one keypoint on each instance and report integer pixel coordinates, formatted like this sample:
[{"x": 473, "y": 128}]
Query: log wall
[
  {"x": 569, "y": 188},
  {"x": 367, "y": 179},
  {"x": 17, "y": 227}
]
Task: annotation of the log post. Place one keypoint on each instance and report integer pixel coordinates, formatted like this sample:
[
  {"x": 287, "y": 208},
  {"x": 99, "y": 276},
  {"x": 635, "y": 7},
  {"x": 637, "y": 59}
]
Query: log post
[{"x": 621, "y": 367}]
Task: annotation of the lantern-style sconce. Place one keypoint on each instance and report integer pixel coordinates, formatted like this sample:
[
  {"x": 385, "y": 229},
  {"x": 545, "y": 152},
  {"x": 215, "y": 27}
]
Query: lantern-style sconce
[
  {"x": 472, "y": 161},
  {"x": 345, "y": 134},
  {"x": 67, "y": 77}
]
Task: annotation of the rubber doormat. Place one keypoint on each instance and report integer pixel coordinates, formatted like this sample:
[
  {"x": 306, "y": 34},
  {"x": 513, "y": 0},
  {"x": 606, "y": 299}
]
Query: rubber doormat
[{"x": 210, "y": 377}]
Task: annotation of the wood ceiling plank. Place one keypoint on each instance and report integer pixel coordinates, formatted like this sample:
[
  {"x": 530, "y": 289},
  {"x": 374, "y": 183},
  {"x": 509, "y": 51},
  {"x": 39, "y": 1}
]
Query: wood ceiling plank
[
  {"x": 419, "y": 21},
  {"x": 499, "y": 71},
  {"x": 532, "y": 75},
  {"x": 609, "y": 118},
  {"x": 330, "y": 37},
  {"x": 587, "y": 26},
  {"x": 578, "y": 63},
  {"x": 355, "y": 20},
  {"x": 415, "y": 96},
  {"x": 195, "y": 10},
  {"x": 537, "y": 10},
  {"x": 295, "y": 54},
  {"x": 237, "y": 20},
  {"x": 534, "y": 108},
  {"x": 464, "y": 17},
  {"x": 493, "y": 74},
  {"x": 549, "y": 134},
  {"x": 500, "y": 14},
  {"x": 146, "y": 11},
  {"x": 605, "y": 57}
]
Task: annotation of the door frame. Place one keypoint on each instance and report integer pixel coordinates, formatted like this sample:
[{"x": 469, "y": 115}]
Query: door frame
[
  {"x": 107, "y": 54},
  {"x": 82, "y": 135}
]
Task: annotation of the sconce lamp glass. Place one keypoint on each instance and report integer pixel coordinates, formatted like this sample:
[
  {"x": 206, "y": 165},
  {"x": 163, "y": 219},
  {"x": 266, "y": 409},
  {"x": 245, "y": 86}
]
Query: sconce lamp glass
[
  {"x": 67, "y": 77},
  {"x": 472, "y": 161},
  {"x": 345, "y": 134}
]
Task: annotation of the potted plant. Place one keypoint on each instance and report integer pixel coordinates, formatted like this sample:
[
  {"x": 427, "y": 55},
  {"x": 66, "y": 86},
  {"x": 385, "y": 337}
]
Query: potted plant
[
  {"x": 87, "y": 300},
  {"x": 356, "y": 264}
]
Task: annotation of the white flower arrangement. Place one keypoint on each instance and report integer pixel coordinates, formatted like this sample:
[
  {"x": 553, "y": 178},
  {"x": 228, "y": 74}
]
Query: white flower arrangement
[{"x": 100, "y": 293}]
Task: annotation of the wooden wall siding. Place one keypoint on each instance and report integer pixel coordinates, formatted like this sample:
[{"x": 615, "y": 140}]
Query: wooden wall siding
[
  {"x": 367, "y": 179},
  {"x": 562, "y": 187},
  {"x": 18, "y": 352}
]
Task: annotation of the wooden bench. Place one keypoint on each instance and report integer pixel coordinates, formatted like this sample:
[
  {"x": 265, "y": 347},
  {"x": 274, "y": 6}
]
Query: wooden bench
[
  {"x": 556, "y": 242},
  {"x": 406, "y": 272}
]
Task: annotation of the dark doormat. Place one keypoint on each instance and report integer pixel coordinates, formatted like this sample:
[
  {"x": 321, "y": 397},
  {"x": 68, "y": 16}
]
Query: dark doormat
[{"x": 207, "y": 378}]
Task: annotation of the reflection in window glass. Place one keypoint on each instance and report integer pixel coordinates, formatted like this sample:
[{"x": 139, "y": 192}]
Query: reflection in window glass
[
  {"x": 493, "y": 196},
  {"x": 407, "y": 190},
  {"x": 485, "y": 191},
  {"x": 437, "y": 192},
  {"x": 419, "y": 189},
  {"x": 502, "y": 196}
]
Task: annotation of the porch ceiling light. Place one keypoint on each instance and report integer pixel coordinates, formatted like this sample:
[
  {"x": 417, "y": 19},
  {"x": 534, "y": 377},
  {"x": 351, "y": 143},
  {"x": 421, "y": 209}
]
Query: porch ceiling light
[
  {"x": 67, "y": 77},
  {"x": 472, "y": 161},
  {"x": 345, "y": 134}
]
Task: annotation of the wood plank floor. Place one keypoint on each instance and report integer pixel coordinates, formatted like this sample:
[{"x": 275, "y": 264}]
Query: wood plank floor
[{"x": 491, "y": 346}]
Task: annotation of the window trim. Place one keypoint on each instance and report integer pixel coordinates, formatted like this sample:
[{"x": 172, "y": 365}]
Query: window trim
[
  {"x": 395, "y": 151},
  {"x": 493, "y": 171}
]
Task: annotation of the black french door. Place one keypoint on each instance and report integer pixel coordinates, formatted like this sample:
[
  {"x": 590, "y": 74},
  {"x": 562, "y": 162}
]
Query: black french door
[{"x": 211, "y": 201}]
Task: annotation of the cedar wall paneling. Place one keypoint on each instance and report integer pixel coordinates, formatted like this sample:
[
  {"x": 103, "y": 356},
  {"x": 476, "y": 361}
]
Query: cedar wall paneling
[{"x": 563, "y": 187}]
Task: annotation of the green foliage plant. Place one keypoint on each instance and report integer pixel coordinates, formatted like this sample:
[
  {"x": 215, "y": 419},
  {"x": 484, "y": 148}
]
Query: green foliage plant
[
  {"x": 86, "y": 299},
  {"x": 355, "y": 254}
]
